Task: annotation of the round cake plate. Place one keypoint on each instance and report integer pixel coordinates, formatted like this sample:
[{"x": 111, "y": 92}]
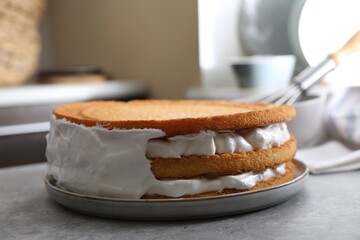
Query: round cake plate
[{"x": 180, "y": 209}]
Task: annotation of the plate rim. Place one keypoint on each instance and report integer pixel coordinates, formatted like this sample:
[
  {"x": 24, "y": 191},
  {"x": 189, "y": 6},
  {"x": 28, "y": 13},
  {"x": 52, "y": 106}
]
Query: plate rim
[{"x": 300, "y": 166}]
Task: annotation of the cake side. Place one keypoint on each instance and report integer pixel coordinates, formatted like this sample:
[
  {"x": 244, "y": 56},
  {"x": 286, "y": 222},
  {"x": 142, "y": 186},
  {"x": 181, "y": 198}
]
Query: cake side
[
  {"x": 271, "y": 182},
  {"x": 172, "y": 149},
  {"x": 222, "y": 164}
]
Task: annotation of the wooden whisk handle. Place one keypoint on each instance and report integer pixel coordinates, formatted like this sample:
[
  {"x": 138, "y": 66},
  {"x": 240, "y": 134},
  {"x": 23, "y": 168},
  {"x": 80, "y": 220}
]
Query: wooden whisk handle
[{"x": 353, "y": 45}]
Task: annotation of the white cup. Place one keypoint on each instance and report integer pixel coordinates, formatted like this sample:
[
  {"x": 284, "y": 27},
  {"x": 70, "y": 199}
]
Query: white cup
[
  {"x": 309, "y": 126},
  {"x": 263, "y": 71}
]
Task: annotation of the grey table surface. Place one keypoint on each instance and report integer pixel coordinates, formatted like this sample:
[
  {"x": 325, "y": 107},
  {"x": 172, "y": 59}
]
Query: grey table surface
[{"x": 327, "y": 207}]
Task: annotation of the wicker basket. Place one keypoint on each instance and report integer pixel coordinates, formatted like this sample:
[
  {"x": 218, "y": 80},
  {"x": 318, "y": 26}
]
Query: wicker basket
[{"x": 19, "y": 39}]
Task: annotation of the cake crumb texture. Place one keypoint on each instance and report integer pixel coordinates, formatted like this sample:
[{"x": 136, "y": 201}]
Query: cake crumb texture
[
  {"x": 222, "y": 164},
  {"x": 175, "y": 117},
  {"x": 289, "y": 175}
]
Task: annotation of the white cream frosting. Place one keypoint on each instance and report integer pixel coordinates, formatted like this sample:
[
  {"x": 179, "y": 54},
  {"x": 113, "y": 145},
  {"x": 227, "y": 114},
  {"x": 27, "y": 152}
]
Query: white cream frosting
[
  {"x": 113, "y": 163},
  {"x": 210, "y": 142}
]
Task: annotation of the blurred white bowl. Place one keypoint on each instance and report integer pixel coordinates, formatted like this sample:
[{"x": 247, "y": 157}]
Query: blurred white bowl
[
  {"x": 309, "y": 126},
  {"x": 263, "y": 71}
]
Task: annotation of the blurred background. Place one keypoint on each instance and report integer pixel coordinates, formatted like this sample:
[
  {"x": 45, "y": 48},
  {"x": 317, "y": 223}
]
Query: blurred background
[
  {"x": 152, "y": 41},
  {"x": 53, "y": 52}
]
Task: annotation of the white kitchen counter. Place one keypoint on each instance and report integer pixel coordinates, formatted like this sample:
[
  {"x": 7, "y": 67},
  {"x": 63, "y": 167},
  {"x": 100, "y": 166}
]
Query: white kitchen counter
[{"x": 40, "y": 94}]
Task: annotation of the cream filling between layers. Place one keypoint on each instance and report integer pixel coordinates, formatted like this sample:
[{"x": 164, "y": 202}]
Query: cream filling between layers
[
  {"x": 113, "y": 163},
  {"x": 209, "y": 142}
]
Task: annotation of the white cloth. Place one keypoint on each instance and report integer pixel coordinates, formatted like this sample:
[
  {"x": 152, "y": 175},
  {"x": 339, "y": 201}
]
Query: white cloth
[
  {"x": 332, "y": 156},
  {"x": 342, "y": 118},
  {"x": 343, "y": 115}
]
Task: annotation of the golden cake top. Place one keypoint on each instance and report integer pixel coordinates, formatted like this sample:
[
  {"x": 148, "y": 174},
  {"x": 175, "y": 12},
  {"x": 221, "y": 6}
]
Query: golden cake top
[{"x": 175, "y": 117}]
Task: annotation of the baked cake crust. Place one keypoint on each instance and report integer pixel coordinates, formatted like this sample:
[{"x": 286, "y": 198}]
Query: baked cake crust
[
  {"x": 222, "y": 164},
  {"x": 175, "y": 117},
  {"x": 289, "y": 175}
]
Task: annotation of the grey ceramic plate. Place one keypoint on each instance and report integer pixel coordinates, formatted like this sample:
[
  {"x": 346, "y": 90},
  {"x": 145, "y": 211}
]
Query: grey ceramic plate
[{"x": 177, "y": 209}]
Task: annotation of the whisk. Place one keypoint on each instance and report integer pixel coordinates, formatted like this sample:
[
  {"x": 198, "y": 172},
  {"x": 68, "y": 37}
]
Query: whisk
[{"x": 311, "y": 75}]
